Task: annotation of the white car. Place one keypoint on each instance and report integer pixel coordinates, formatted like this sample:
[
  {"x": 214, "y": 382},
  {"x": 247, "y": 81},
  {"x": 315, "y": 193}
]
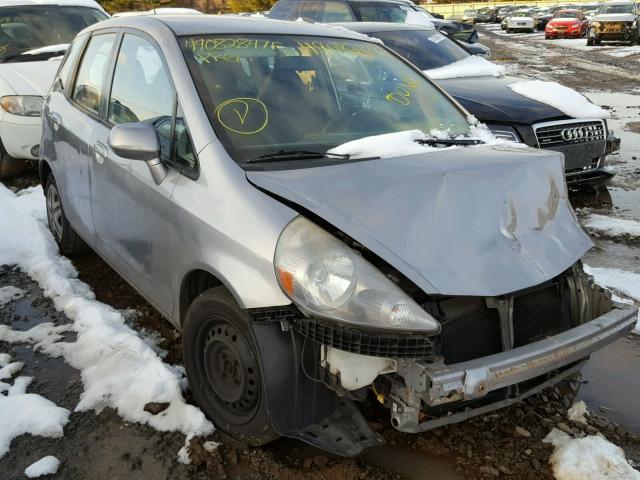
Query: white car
[
  {"x": 520, "y": 20},
  {"x": 160, "y": 11},
  {"x": 34, "y": 36}
]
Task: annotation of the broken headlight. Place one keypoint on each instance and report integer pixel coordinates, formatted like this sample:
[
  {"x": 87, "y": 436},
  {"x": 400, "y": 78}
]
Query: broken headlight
[
  {"x": 505, "y": 133},
  {"x": 326, "y": 278}
]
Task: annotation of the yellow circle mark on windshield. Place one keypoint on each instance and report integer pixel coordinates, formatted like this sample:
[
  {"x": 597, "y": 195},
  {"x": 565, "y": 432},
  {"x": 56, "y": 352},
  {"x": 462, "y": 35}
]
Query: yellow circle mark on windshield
[{"x": 246, "y": 116}]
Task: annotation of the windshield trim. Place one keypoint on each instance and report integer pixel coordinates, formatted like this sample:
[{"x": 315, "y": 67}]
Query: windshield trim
[{"x": 209, "y": 109}]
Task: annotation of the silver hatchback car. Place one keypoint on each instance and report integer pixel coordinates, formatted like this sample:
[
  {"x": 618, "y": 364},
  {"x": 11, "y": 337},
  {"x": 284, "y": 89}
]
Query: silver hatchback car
[{"x": 197, "y": 155}]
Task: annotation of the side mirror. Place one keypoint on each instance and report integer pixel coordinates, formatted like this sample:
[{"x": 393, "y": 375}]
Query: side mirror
[{"x": 139, "y": 141}]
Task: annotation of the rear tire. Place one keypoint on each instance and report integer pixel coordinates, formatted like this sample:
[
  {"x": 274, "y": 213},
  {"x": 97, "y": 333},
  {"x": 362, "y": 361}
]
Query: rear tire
[
  {"x": 223, "y": 367},
  {"x": 590, "y": 41},
  {"x": 67, "y": 239},
  {"x": 9, "y": 166}
]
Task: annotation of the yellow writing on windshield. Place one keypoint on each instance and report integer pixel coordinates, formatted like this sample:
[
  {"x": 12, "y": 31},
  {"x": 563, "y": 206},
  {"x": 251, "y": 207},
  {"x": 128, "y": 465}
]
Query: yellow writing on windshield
[
  {"x": 207, "y": 57},
  {"x": 229, "y": 43},
  {"x": 402, "y": 93},
  {"x": 316, "y": 48},
  {"x": 245, "y": 116},
  {"x": 3, "y": 48}
]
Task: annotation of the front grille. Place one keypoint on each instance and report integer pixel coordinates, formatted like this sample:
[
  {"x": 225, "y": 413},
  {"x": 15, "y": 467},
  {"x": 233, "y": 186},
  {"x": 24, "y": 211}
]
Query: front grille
[
  {"x": 355, "y": 340},
  {"x": 471, "y": 336},
  {"x": 538, "y": 314},
  {"x": 570, "y": 133}
]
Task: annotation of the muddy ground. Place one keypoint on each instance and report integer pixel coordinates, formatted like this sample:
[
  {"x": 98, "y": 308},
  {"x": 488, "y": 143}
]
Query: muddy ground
[{"x": 103, "y": 446}]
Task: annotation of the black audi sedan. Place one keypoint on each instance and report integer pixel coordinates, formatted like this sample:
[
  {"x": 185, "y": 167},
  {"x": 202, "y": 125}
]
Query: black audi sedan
[{"x": 584, "y": 142}]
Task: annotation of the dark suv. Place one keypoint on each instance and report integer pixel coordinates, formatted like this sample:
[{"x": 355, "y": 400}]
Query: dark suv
[{"x": 394, "y": 11}]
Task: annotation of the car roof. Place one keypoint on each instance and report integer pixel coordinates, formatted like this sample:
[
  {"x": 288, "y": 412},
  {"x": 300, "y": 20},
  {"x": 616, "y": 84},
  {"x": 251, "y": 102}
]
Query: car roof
[
  {"x": 225, "y": 24},
  {"x": 619, "y": 2},
  {"x": 63, "y": 3},
  {"x": 370, "y": 27}
]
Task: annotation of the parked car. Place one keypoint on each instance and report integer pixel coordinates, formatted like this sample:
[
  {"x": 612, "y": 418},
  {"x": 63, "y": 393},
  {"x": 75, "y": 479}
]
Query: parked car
[
  {"x": 447, "y": 280},
  {"x": 394, "y": 11},
  {"x": 503, "y": 11},
  {"x": 31, "y": 34},
  {"x": 507, "y": 114},
  {"x": 615, "y": 20},
  {"x": 520, "y": 20},
  {"x": 567, "y": 23},
  {"x": 487, "y": 15},
  {"x": 543, "y": 18},
  {"x": 160, "y": 11},
  {"x": 503, "y": 23},
  {"x": 469, "y": 16}
]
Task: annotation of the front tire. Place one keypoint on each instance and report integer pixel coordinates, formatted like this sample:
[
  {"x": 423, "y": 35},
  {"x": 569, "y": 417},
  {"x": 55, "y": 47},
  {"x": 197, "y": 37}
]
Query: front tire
[
  {"x": 67, "y": 239},
  {"x": 223, "y": 367},
  {"x": 9, "y": 166}
]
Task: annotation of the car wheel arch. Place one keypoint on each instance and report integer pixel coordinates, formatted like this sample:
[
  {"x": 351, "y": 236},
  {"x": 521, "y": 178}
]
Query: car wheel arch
[{"x": 195, "y": 282}]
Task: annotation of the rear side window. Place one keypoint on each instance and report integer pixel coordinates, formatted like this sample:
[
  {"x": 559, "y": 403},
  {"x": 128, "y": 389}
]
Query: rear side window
[
  {"x": 310, "y": 11},
  {"x": 336, "y": 12},
  {"x": 284, "y": 10},
  {"x": 141, "y": 91},
  {"x": 87, "y": 91}
]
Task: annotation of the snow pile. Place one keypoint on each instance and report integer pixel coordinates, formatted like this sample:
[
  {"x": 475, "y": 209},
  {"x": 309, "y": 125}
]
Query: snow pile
[
  {"x": 45, "y": 466},
  {"x": 471, "y": 66},
  {"x": 577, "y": 412},
  {"x": 627, "y": 283},
  {"x": 23, "y": 412},
  {"x": 407, "y": 142},
  {"x": 565, "y": 99},
  {"x": 614, "y": 227},
  {"x": 10, "y": 293},
  {"x": 587, "y": 458},
  {"x": 118, "y": 368}
]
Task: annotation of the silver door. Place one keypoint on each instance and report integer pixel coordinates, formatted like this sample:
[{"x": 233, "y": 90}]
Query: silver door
[{"x": 131, "y": 212}]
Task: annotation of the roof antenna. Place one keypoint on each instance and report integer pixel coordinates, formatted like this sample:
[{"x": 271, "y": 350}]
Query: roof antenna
[{"x": 153, "y": 6}]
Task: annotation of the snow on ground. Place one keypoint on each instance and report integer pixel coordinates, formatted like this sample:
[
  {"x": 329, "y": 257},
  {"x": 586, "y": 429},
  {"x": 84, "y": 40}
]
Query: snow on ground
[
  {"x": 45, "y": 466},
  {"x": 22, "y": 412},
  {"x": 625, "y": 282},
  {"x": 118, "y": 368},
  {"x": 588, "y": 458},
  {"x": 9, "y": 293},
  {"x": 472, "y": 66},
  {"x": 577, "y": 412},
  {"x": 614, "y": 227},
  {"x": 565, "y": 99}
]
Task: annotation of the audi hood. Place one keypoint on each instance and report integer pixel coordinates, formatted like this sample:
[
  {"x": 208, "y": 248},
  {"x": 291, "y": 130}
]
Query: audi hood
[
  {"x": 481, "y": 221},
  {"x": 491, "y": 100}
]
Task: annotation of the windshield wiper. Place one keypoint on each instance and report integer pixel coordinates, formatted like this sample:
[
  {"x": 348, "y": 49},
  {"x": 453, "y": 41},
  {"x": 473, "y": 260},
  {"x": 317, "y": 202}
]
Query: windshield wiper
[
  {"x": 448, "y": 141},
  {"x": 284, "y": 155},
  {"x": 32, "y": 57}
]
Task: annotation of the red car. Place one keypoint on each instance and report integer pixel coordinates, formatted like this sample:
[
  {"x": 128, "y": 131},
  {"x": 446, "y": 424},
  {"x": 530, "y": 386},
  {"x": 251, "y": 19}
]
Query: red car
[{"x": 567, "y": 23}]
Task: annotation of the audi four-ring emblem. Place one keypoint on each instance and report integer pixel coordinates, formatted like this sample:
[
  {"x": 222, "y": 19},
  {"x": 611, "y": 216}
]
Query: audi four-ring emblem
[{"x": 578, "y": 133}]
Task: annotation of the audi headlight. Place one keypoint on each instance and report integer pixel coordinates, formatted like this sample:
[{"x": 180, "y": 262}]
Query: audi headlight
[
  {"x": 23, "y": 105},
  {"x": 326, "y": 278},
  {"x": 505, "y": 133}
]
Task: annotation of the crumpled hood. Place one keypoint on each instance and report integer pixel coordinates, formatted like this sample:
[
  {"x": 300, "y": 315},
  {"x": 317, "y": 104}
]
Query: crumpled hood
[
  {"x": 29, "y": 78},
  {"x": 475, "y": 221},
  {"x": 614, "y": 17},
  {"x": 491, "y": 100}
]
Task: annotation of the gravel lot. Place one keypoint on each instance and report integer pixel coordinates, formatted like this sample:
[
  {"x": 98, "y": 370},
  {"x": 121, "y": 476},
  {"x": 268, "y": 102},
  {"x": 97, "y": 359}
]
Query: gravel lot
[{"x": 504, "y": 444}]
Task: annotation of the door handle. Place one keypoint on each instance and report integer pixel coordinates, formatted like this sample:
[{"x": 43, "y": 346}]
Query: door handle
[
  {"x": 56, "y": 119},
  {"x": 100, "y": 152}
]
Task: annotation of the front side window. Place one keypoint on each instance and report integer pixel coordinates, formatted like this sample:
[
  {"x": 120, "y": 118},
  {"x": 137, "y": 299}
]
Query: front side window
[
  {"x": 426, "y": 49},
  {"x": 336, "y": 12},
  {"x": 310, "y": 11},
  {"x": 26, "y": 28},
  {"x": 264, "y": 93},
  {"x": 90, "y": 79},
  {"x": 141, "y": 91},
  {"x": 70, "y": 59},
  {"x": 284, "y": 10}
]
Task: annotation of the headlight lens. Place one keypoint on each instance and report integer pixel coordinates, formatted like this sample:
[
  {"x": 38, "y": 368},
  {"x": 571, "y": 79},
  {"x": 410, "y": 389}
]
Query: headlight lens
[
  {"x": 326, "y": 278},
  {"x": 26, "y": 106},
  {"x": 595, "y": 24},
  {"x": 505, "y": 133}
]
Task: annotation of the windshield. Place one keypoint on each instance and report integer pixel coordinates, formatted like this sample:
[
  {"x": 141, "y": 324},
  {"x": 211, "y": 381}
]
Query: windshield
[
  {"x": 566, "y": 14},
  {"x": 469, "y": 12},
  {"x": 521, "y": 14},
  {"x": 426, "y": 49},
  {"x": 390, "y": 13},
  {"x": 266, "y": 94},
  {"x": 625, "y": 8},
  {"x": 26, "y": 28}
]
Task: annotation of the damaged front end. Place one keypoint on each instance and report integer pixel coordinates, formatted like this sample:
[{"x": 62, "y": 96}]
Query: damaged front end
[
  {"x": 609, "y": 30},
  {"x": 443, "y": 285}
]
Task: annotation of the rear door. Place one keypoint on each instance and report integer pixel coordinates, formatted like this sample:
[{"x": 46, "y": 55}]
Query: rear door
[
  {"x": 73, "y": 115},
  {"x": 131, "y": 212}
]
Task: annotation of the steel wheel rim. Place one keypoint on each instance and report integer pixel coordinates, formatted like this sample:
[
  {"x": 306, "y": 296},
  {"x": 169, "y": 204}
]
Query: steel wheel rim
[
  {"x": 54, "y": 212},
  {"x": 231, "y": 375}
]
